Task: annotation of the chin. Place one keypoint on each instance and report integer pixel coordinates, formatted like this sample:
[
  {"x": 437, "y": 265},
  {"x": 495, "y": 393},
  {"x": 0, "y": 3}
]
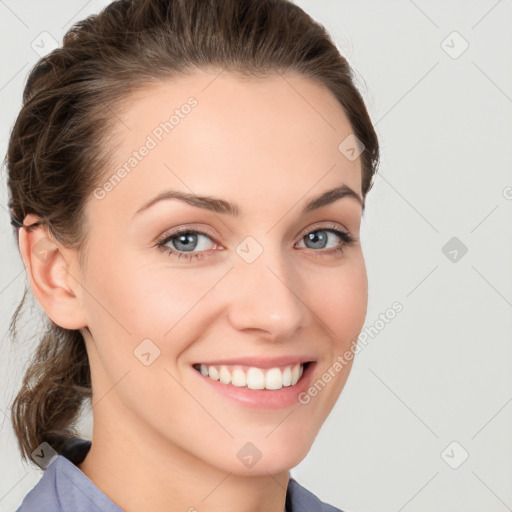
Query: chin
[
  {"x": 265, "y": 468},
  {"x": 273, "y": 460}
]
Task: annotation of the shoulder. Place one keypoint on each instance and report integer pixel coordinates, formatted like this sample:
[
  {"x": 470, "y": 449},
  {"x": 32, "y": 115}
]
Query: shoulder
[
  {"x": 45, "y": 495},
  {"x": 299, "y": 499},
  {"x": 63, "y": 487}
]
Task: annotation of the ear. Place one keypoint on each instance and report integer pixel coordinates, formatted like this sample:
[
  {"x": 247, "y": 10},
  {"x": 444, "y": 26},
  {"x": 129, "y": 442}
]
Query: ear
[{"x": 53, "y": 273}]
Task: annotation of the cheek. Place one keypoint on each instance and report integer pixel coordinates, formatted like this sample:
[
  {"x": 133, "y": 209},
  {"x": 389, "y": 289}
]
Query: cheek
[
  {"x": 130, "y": 303},
  {"x": 126, "y": 307},
  {"x": 340, "y": 298},
  {"x": 144, "y": 299}
]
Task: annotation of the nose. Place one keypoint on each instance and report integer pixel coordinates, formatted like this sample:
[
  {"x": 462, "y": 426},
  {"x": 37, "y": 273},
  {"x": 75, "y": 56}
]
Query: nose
[{"x": 266, "y": 296}]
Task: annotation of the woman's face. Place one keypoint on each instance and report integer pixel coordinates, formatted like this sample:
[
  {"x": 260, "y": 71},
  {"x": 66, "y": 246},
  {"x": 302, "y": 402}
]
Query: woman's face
[{"x": 267, "y": 282}]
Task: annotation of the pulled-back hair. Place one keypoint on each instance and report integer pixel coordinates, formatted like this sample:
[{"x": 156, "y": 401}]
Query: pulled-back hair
[{"x": 61, "y": 141}]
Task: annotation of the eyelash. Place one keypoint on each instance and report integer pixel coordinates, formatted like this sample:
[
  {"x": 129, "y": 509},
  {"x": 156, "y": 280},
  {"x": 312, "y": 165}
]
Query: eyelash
[{"x": 346, "y": 237}]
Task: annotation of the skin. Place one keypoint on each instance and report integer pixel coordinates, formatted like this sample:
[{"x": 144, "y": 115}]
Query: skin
[{"x": 162, "y": 440}]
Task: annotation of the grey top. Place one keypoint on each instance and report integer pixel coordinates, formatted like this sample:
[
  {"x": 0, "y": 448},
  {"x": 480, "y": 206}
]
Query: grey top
[{"x": 64, "y": 488}]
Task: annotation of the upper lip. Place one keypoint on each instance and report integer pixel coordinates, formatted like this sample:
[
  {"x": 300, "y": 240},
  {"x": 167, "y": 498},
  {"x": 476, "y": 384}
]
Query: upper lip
[{"x": 261, "y": 362}]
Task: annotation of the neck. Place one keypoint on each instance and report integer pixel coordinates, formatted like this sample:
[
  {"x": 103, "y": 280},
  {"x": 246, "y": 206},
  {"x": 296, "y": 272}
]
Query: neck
[{"x": 155, "y": 475}]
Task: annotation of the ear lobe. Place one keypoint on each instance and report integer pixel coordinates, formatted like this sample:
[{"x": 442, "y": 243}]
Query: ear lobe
[{"x": 48, "y": 266}]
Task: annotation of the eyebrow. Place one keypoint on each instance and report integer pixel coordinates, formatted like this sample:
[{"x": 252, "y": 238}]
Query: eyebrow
[{"x": 221, "y": 206}]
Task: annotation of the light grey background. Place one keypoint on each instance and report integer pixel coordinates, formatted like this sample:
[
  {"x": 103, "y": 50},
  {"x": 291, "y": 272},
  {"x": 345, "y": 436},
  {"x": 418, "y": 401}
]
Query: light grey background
[{"x": 435, "y": 383}]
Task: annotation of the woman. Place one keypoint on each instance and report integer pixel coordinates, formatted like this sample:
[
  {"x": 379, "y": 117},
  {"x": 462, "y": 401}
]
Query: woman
[{"x": 187, "y": 180}]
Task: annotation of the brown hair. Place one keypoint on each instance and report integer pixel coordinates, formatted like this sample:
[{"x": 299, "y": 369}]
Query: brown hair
[{"x": 58, "y": 148}]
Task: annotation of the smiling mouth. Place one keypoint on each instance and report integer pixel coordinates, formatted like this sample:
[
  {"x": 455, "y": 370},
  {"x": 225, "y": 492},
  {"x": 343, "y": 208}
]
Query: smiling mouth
[{"x": 253, "y": 377}]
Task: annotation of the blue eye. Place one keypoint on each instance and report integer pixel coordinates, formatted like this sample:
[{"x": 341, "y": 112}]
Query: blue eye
[
  {"x": 189, "y": 243},
  {"x": 185, "y": 241},
  {"x": 320, "y": 238}
]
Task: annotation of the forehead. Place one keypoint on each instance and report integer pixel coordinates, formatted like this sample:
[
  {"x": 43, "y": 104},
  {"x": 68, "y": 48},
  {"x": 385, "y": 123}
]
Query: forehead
[{"x": 217, "y": 133}]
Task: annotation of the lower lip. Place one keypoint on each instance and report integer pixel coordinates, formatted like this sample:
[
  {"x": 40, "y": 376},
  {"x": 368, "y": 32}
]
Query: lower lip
[{"x": 263, "y": 398}]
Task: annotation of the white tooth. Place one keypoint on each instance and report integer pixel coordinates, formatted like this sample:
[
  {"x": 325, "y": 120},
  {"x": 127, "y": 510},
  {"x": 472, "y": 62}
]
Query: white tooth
[
  {"x": 255, "y": 379},
  {"x": 287, "y": 376},
  {"x": 238, "y": 378},
  {"x": 213, "y": 372},
  {"x": 224, "y": 375},
  {"x": 295, "y": 374},
  {"x": 274, "y": 379}
]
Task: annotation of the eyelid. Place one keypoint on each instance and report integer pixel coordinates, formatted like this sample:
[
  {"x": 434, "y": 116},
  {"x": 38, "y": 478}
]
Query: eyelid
[
  {"x": 185, "y": 229},
  {"x": 326, "y": 225}
]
